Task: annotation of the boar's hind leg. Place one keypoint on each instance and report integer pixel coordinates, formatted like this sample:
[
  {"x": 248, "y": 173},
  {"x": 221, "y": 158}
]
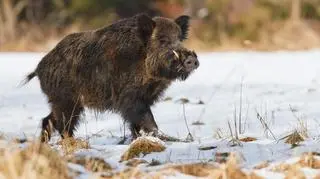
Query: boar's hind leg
[
  {"x": 46, "y": 128},
  {"x": 67, "y": 114},
  {"x": 140, "y": 117}
]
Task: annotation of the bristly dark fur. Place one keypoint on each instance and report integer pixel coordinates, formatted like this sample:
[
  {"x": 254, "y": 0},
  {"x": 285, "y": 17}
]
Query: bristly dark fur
[{"x": 124, "y": 67}]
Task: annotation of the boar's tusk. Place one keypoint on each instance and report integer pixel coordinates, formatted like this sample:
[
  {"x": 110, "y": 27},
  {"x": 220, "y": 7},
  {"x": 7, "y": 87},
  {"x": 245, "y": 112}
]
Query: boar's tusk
[{"x": 176, "y": 54}]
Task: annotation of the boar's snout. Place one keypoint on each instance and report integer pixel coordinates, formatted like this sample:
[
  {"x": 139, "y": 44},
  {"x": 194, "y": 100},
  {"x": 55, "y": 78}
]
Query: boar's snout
[{"x": 191, "y": 63}]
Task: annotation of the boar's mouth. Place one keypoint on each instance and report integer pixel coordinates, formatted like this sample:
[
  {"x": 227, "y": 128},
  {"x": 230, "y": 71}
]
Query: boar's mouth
[
  {"x": 180, "y": 70},
  {"x": 184, "y": 76},
  {"x": 181, "y": 73}
]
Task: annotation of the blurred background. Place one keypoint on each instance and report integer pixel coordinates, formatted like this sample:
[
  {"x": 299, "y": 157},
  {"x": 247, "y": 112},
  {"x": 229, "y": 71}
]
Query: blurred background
[{"x": 37, "y": 25}]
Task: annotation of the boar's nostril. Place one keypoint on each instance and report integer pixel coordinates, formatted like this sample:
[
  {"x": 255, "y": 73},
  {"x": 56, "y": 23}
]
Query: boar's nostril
[
  {"x": 191, "y": 64},
  {"x": 196, "y": 63}
]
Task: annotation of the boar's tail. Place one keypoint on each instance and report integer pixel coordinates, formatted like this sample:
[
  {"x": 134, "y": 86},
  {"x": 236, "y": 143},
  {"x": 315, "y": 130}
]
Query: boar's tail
[{"x": 28, "y": 78}]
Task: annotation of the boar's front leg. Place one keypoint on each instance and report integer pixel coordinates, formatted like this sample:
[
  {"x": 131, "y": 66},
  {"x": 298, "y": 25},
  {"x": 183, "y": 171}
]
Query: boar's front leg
[{"x": 140, "y": 117}]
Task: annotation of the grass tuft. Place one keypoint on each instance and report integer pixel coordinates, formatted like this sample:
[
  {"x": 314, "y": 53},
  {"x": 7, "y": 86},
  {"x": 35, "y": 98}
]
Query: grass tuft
[
  {"x": 195, "y": 169},
  {"x": 93, "y": 164},
  {"x": 2, "y": 136},
  {"x": 294, "y": 139},
  {"x": 294, "y": 170},
  {"x": 36, "y": 161},
  {"x": 308, "y": 160},
  {"x": 142, "y": 145},
  {"x": 70, "y": 145}
]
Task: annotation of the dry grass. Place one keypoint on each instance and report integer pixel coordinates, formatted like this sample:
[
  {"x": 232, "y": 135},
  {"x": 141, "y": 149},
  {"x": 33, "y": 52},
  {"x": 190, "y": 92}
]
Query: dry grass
[
  {"x": 37, "y": 161},
  {"x": 262, "y": 165},
  {"x": 290, "y": 171},
  {"x": 294, "y": 170},
  {"x": 129, "y": 173},
  {"x": 92, "y": 164},
  {"x": 195, "y": 169},
  {"x": 135, "y": 162},
  {"x": 232, "y": 169},
  {"x": 142, "y": 145},
  {"x": 40, "y": 161},
  {"x": 317, "y": 176},
  {"x": 2, "y": 151},
  {"x": 248, "y": 139},
  {"x": 284, "y": 167},
  {"x": 70, "y": 145},
  {"x": 308, "y": 160},
  {"x": 294, "y": 139},
  {"x": 282, "y": 36},
  {"x": 295, "y": 36},
  {"x": 295, "y": 173},
  {"x": 2, "y": 136},
  {"x": 228, "y": 170},
  {"x": 219, "y": 134}
]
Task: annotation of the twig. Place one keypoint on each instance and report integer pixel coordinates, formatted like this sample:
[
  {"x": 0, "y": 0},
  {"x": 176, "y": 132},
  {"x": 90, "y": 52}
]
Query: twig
[
  {"x": 235, "y": 122},
  {"x": 265, "y": 125},
  {"x": 240, "y": 112},
  {"x": 230, "y": 129},
  {"x": 189, "y": 137},
  {"x": 303, "y": 125},
  {"x": 246, "y": 119},
  {"x": 235, "y": 141},
  {"x": 293, "y": 112},
  {"x": 68, "y": 124}
]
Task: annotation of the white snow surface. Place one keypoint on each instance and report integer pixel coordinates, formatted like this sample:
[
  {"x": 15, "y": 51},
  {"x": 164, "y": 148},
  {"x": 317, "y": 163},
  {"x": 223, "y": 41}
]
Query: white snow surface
[{"x": 271, "y": 84}]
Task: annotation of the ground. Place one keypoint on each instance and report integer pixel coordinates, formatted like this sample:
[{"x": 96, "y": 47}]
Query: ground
[{"x": 272, "y": 94}]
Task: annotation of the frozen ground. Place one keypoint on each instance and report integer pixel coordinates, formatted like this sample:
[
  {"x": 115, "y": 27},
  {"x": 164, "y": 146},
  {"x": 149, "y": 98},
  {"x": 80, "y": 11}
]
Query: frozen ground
[{"x": 271, "y": 84}]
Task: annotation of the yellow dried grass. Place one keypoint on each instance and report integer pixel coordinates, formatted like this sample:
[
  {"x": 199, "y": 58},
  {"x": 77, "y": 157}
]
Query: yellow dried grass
[
  {"x": 37, "y": 161},
  {"x": 294, "y": 138},
  {"x": 248, "y": 139},
  {"x": 135, "y": 162},
  {"x": 93, "y": 164},
  {"x": 142, "y": 145},
  {"x": 70, "y": 145}
]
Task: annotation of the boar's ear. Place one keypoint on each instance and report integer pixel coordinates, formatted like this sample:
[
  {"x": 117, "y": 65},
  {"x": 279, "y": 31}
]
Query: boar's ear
[
  {"x": 183, "y": 22},
  {"x": 145, "y": 26}
]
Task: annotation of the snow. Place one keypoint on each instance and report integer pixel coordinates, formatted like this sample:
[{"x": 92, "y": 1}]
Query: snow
[{"x": 272, "y": 83}]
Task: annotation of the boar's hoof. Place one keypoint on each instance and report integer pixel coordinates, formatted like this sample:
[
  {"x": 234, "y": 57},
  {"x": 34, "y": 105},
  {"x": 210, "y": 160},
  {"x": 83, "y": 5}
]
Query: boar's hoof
[{"x": 168, "y": 138}]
